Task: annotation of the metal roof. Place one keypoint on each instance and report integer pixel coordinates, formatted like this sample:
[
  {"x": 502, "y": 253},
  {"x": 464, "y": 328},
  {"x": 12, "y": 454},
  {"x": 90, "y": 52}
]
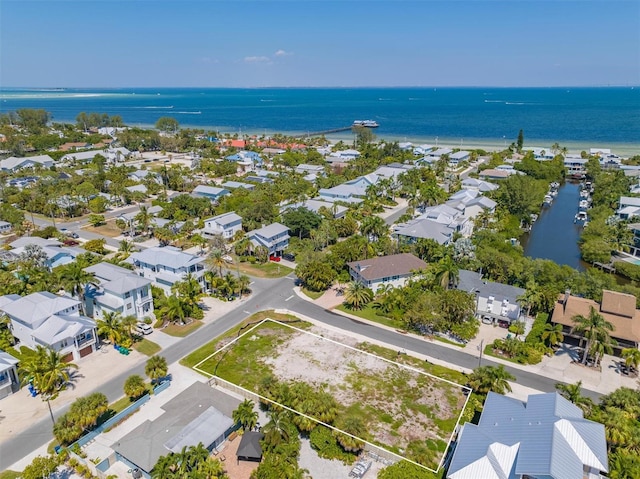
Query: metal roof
[{"x": 205, "y": 429}]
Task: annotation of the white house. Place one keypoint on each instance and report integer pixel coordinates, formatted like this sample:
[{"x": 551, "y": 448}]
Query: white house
[
  {"x": 274, "y": 237},
  {"x": 393, "y": 270},
  {"x": 167, "y": 265},
  {"x": 459, "y": 156},
  {"x": 628, "y": 207},
  {"x": 52, "y": 321},
  {"x": 478, "y": 185},
  {"x": 575, "y": 166},
  {"x": 57, "y": 254},
  {"x": 232, "y": 185},
  {"x": 211, "y": 192},
  {"x": 545, "y": 437},
  {"x": 9, "y": 380},
  {"x": 13, "y": 163},
  {"x": 496, "y": 301},
  {"x": 227, "y": 225},
  {"x": 120, "y": 290},
  {"x": 5, "y": 227}
]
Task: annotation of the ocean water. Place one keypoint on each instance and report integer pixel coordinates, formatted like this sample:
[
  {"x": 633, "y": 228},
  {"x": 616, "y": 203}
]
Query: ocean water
[{"x": 574, "y": 117}]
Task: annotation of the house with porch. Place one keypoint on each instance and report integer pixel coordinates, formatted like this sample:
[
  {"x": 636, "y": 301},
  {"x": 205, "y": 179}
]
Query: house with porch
[
  {"x": 119, "y": 290},
  {"x": 393, "y": 270},
  {"x": 459, "y": 157},
  {"x": 9, "y": 380},
  {"x": 226, "y": 225},
  {"x": 274, "y": 237},
  {"x": 494, "y": 301},
  {"x": 628, "y": 207},
  {"x": 167, "y": 265},
  {"x": 546, "y": 437},
  {"x": 617, "y": 308},
  {"x": 50, "y": 320},
  {"x": 212, "y": 193}
]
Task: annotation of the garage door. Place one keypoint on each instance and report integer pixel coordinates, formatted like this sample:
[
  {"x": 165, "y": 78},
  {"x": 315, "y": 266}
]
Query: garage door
[
  {"x": 85, "y": 351},
  {"x": 67, "y": 358}
]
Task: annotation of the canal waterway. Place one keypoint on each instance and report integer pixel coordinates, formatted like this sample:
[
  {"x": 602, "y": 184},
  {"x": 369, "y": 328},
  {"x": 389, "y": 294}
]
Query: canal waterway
[{"x": 554, "y": 235}]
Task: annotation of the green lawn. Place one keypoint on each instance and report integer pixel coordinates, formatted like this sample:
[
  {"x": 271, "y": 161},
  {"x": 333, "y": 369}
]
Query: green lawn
[
  {"x": 9, "y": 475},
  {"x": 211, "y": 347},
  {"x": 370, "y": 313},
  {"x": 312, "y": 294},
  {"x": 266, "y": 270},
  {"x": 174, "y": 329},
  {"x": 146, "y": 347}
]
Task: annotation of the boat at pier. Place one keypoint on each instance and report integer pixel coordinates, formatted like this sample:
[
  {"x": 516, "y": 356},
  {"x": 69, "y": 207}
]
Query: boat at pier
[{"x": 366, "y": 123}]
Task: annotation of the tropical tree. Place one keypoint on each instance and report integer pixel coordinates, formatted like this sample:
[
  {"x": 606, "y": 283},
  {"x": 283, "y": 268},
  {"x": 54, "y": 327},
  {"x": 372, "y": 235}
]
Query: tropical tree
[
  {"x": 75, "y": 280},
  {"x": 277, "y": 429},
  {"x": 593, "y": 328},
  {"x": 173, "y": 310},
  {"x": 373, "y": 228},
  {"x": 134, "y": 386},
  {"x": 128, "y": 323},
  {"x": 156, "y": 367},
  {"x": 110, "y": 326},
  {"x": 47, "y": 372},
  {"x": 631, "y": 357},
  {"x": 357, "y": 295},
  {"x": 126, "y": 248},
  {"x": 246, "y": 415},
  {"x": 447, "y": 272},
  {"x": 491, "y": 378},
  {"x": 573, "y": 393},
  {"x": 216, "y": 261},
  {"x": 41, "y": 467},
  {"x": 355, "y": 428},
  {"x": 552, "y": 334}
]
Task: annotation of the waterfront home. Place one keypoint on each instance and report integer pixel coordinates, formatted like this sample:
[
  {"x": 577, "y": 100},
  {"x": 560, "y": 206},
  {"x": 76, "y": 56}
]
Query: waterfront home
[
  {"x": 119, "y": 290},
  {"x": 494, "y": 301},
  {"x": 199, "y": 414},
  {"x": 50, "y": 320},
  {"x": 495, "y": 174},
  {"x": 232, "y": 185},
  {"x": 245, "y": 158},
  {"x": 576, "y": 166},
  {"x": 436, "y": 154},
  {"x": 459, "y": 157},
  {"x": 9, "y": 379},
  {"x": 542, "y": 154},
  {"x": 422, "y": 150},
  {"x": 346, "y": 154},
  {"x": 226, "y": 225},
  {"x": 628, "y": 207},
  {"x": 56, "y": 253},
  {"x": 315, "y": 205},
  {"x": 13, "y": 163},
  {"x": 617, "y": 308},
  {"x": 478, "y": 185},
  {"x": 274, "y": 237},
  {"x": 167, "y": 265},
  {"x": 393, "y": 270},
  {"x": 544, "y": 437},
  {"x": 212, "y": 193},
  {"x": 479, "y": 205}
]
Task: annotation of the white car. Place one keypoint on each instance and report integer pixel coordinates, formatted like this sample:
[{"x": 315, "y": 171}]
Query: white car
[{"x": 144, "y": 329}]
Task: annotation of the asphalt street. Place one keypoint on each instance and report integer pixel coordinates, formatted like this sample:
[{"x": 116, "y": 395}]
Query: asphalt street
[{"x": 269, "y": 294}]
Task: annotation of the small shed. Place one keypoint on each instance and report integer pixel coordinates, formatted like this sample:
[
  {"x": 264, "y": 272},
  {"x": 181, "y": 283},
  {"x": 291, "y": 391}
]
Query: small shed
[{"x": 249, "y": 448}]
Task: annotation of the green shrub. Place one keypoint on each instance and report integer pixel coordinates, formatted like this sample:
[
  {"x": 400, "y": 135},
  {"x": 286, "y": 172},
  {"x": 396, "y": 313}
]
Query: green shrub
[
  {"x": 535, "y": 335},
  {"x": 628, "y": 270},
  {"x": 327, "y": 447}
]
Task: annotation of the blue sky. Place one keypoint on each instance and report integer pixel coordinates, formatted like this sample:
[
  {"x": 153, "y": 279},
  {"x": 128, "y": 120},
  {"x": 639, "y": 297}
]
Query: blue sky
[{"x": 240, "y": 43}]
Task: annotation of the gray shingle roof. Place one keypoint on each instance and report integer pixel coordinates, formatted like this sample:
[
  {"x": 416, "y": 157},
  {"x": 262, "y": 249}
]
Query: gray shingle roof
[
  {"x": 116, "y": 279},
  {"x": 384, "y": 266},
  {"x": 225, "y": 218},
  {"x": 269, "y": 231},
  {"x": 426, "y": 229},
  {"x": 471, "y": 281},
  {"x": 60, "y": 326}
]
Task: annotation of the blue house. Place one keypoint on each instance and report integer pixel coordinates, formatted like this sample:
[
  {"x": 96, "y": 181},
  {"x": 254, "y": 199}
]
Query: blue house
[{"x": 247, "y": 157}]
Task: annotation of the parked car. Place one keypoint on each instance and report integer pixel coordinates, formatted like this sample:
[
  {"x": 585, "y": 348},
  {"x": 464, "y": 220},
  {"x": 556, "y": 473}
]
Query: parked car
[
  {"x": 289, "y": 256},
  {"x": 66, "y": 232},
  {"x": 487, "y": 320},
  {"x": 503, "y": 324},
  {"x": 228, "y": 258},
  {"x": 274, "y": 258},
  {"x": 144, "y": 329}
]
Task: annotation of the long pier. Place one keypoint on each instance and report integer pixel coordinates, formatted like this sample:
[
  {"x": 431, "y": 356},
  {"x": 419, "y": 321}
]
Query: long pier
[{"x": 328, "y": 132}]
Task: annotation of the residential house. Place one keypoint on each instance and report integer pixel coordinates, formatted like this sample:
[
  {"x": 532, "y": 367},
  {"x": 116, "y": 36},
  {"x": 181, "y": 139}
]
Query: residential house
[
  {"x": 576, "y": 166},
  {"x": 545, "y": 437},
  {"x": 226, "y": 225},
  {"x": 617, "y": 308},
  {"x": 232, "y": 185},
  {"x": 213, "y": 193},
  {"x": 141, "y": 175},
  {"x": 167, "y": 265},
  {"x": 495, "y": 174},
  {"x": 57, "y": 254},
  {"x": 50, "y": 320},
  {"x": 199, "y": 414},
  {"x": 305, "y": 169},
  {"x": 393, "y": 270},
  {"x": 542, "y": 154},
  {"x": 13, "y": 164},
  {"x": 478, "y": 185},
  {"x": 436, "y": 154},
  {"x": 246, "y": 158},
  {"x": 274, "y": 237},
  {"x": 81, "y": 156},
  {"x": 628, "y": 207},
  {"x": 344, "y": 192},
  {"x": 315, "y": 205},
  {"x": 137, "y": 189},
  {"x": 422, "y": 150},
  {"x": 259, "y": 179},
  {"x": 459, "y": 157},
  {"x": 346, "y": 154},
  {"x": 5, "y": 227},
  {"x": 478, "y": 205},
  {"x": 9, "y": 380},
  {"x": 418, "y": 228},
  {"x": 119, "y": 290},
  {"x": 496, "y": 301}
]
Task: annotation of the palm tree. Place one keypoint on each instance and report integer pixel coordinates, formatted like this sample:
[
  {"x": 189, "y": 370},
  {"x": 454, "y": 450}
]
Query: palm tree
[
  {"x": 128, "y": 323},
  {"x": 47, "y": 372},
  {"x": 243, "y": 284},
  {"x": 357, "y": 295},
  {"x": 156, "y": 367},
  {"x": 126, "y": 248},
  {"x": 215, "y": 260},
  {"x": 604, "y": 345},
  {"x": 134, "y": 386},
  {"x": 373, "y": 228},
  {"x": 631, "y": 357},
  {"x": 246, "y": 415},
  {"x": 552, "y": 334},
  {"x": 573, "y": 393},
  {"x": 490, "y": 378},
  {"x": 143, "y": 219},
  {"x": 447, "y": 272},
  {"x": 277, "y": 429},
  {"x": 173, "y": 310},
  {"x": 594, "y": 328},
  {"x": 355, "y": 428},
  {"x": 211, "y": 469},
  {"x": 75, "y": 280},
  {"x": 110, "y": 326}
]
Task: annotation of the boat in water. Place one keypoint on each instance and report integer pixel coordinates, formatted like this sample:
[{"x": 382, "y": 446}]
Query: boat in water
[
  {"x": 366, "y": 123},
  {"x": 581, "y": 217},
  {"x": 548, "y": 199}
]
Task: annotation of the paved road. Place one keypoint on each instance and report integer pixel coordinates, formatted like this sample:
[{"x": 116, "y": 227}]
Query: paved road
[{"x": 270, "y": 294}]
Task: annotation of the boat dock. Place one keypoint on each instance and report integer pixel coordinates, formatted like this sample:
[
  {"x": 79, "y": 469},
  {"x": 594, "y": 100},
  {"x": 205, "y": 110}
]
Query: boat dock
[{"x": 328, "y": 132}]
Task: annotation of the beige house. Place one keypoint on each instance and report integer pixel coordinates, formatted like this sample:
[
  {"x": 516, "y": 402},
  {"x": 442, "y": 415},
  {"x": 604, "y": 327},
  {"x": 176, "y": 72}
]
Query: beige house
[{"x": 394, "y": 270}]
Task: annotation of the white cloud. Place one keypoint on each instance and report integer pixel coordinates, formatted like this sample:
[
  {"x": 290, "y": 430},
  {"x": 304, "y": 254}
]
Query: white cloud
[
  {"x": 282, "y": 53},
  {"x": 256, "y": 59}
]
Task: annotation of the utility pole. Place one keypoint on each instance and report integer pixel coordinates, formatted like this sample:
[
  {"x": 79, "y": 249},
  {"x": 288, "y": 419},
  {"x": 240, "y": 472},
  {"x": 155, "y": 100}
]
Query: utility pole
[{"x": 481, "y": 349}]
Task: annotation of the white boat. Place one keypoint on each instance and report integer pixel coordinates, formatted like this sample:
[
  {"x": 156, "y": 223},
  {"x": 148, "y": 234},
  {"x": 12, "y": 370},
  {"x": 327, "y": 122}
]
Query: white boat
[
  {"x": 584, "y": 204},
  {"x": 366, "y": 123},
  {"x": 548, "y": 199},
  {"x": 581, "y": 217},
  {"x": 555, "y": 185}
]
